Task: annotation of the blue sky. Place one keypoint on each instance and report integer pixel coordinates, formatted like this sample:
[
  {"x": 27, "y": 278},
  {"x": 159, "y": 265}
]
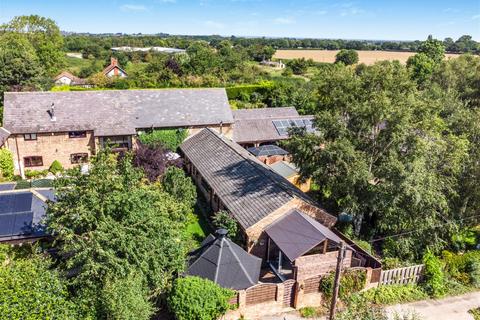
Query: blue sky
[{"x": 394, "y": 20}]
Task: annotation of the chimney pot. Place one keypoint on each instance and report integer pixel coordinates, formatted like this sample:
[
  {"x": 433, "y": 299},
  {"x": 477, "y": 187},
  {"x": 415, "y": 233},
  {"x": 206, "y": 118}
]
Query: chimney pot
[{"x": 113, "y": 61}]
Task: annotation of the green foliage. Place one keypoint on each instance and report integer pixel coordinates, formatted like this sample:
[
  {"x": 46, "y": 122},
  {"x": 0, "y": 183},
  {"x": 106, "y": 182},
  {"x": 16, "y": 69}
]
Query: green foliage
[
  {"x": 393, "y": 294},
  {"x": 56, "y": 167},
  {"x": 194, "y": 298},
  {"x": 308, "y": 312},
  {"x": 299, "y": 66},
  {"x": 126, "y": 298},
  {"x": 347, "y": 57},
  {"x": 475, "y": 313},
  {"x": 464, "y": 268},
  {"x": 33, "y": 174},
  {"x": 224, "y": 220},
  {"x": 30, "y": 290},
  {"x": 433, "y": 48},
  {"x": 434, "y": 282},
  {"x": 6, "y": 165},
  {"x": 421, "y": 67},
  {"x": 117, "y": 225},
  {"x": 179, "y": 186},
  {"x": 358, "y": 308},
  {"x": 244, "y": 92},
  {"x": 44, "y": 36},
  {"x": 365, "y": 245},
  {"x": 168, "y": 138},
  {"x": 351, "y": 281}
]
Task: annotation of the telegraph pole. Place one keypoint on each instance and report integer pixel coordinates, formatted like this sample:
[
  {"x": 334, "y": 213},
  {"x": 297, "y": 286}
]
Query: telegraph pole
[{"x": 336, "y": 283}]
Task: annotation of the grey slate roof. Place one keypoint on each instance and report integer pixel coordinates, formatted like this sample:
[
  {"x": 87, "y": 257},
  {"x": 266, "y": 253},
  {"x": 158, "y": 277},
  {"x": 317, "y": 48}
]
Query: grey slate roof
[
  {"x": 4, "y": 134},
  {"x": 249, "y": 189},
  {"x": 297, "y": 233},
  {"x": 115, "y": 112},
  {"x": 225, "y": 263},
  {"x": 260, "y": 129},
  {"x": 21, "y": 214},
  {"x": 264, "y": 113}
]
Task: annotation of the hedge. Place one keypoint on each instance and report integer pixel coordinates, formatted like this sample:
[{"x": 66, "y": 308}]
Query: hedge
[
  {"x": 6, "y": 165},
  {"x": 168, "y": 138},
  {"x": 243, "y": 92}
]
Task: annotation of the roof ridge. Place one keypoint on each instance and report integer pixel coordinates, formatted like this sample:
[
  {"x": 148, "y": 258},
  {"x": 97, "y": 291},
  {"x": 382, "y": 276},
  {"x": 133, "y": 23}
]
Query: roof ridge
[
  {"x": 241, "y": 264},
  {"x": 289, "y": 192},
  {"x": 219, "y": 258}
]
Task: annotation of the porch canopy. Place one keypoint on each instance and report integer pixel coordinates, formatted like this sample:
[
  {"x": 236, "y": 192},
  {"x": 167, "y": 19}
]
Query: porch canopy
[
  {"x": 296, "y": 233},
  {"x": 221, "y": 260}
]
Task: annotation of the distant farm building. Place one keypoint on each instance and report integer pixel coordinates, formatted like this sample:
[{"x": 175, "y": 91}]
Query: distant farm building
[{"x": 146, "y": 49}]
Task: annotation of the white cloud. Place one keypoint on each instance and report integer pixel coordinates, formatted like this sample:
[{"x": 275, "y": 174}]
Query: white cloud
[
  {"x": 451, "y": 10},
  {"x": 475, "y": 17},
  {"x": 167, "y": 1},
  {"x": 214, "y": 24},
  {"x": 283, "y": 20},
  {"x": 133, "y": 8}
]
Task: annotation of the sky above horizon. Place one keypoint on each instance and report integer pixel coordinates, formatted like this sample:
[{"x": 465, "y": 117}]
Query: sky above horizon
[{"x": 375, "y": 19}]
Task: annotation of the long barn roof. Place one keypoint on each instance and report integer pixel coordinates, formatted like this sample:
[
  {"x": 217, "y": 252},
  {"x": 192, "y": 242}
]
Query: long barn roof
[
  {"x": 115, "y": 112},
  {"x": 249, "y": 189}
]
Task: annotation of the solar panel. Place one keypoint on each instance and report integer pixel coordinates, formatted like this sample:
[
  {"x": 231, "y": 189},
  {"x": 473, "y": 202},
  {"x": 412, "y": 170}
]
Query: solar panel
[
  {"x": 6, "y": 224},
  {"x": 23, "y": 223},
  {"x": 16, "y": 202},
  {"x": 282, "y": 126},
  {"x": 7, "y": 186}
]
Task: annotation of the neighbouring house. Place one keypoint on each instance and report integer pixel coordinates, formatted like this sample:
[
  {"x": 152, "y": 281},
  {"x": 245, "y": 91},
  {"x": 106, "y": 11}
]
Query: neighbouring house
[
  {"x": 21, "y": 214},
  {"x": 269, "y": 153},
  {"x": 66, "y": 78},
  {"x": 254, "y": 127},
  {"x": 114, "y": 69},
  {"x": 224, "y": 262},
  {"x": 70, "y": 126},
  {"x": 290, "y": 172},
  {"x": 292, "y": 234}
]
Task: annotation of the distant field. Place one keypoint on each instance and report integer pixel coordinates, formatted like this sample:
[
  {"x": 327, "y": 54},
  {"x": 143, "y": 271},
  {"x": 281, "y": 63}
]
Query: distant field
[{"x": 367, "y": 57}]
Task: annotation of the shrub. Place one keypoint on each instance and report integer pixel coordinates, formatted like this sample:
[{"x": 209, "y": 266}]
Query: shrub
[
  {"x": 462, "y": 267},
  {"x": 181, "y": 187},
  {"x": 394, "y": 294},
  {"x": 347, "y": 57},
  {"x": 359, "y": 309},
  {"x": 475, "y": 313},
  {"x": 364, "y": 245},
  {"x": 154, "y": 160},
  {"x": 434, "y": 278},
  {"x": 6, "y": 164},
  {"x": 126, "y": 298},
  {"x": 56, "y": 167},
  {"x": 33, "y": 174},
  {"x": 224, "y": 220},
  {"x": 351, "y": 281},
  {"x": 308, "y": 312},
  {"x": 244, "y": 92},
  {"x": 170, "y": 139},
  {"x": 473, "y": 269},
  {"x": 194, "y": 298}
]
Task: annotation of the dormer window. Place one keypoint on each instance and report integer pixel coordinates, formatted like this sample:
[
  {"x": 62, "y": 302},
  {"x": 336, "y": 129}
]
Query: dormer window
[
  {"x": 77, "y": 134},
  {"x": 30, "y": 136}
]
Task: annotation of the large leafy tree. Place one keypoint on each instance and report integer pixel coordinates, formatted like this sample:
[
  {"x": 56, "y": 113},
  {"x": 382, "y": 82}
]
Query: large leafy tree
[
  {"x": 110, "y": 224},
  {"x": 382, "y": 154},
  {"x": 44, "y": 35}
]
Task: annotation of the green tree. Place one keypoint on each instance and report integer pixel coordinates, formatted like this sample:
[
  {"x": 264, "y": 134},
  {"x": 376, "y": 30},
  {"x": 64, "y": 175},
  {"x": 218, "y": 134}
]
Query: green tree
[
  {"x": 45, "y": 37},
  {"x": 434, "y": 276},
  {"x": 298, "y": 66},
  {"x": 224, "y": 220},
  {"x": 380, "y": 154},
  {"x": 347, "y": 57},
  {"x": 433, "y": 48},
  {"x": 109, "y": 224},
  {"x": 179, "y": 186},
  {"x": 421, "y": 66},
  {"x": 31, "y": 290},
  {"x": 194, "y": 298},
  {"x": 20, "y": 67}
]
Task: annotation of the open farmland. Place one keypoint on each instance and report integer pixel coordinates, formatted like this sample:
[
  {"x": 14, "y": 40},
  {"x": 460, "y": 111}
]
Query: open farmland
[{"x": 365, "y": 56}]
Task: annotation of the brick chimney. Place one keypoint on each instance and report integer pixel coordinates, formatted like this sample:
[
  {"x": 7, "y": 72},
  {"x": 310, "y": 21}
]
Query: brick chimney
[{"x": 113, "y": 61}]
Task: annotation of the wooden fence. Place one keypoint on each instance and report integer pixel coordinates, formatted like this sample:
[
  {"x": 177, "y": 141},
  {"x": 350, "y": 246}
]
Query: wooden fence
[{"x": 412, "y": 274}]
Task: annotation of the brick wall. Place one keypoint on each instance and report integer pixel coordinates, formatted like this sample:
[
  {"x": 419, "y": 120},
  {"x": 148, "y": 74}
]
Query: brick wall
[
  {"x": 318, "y": 264},
  {"x": 51, "y": 147}
]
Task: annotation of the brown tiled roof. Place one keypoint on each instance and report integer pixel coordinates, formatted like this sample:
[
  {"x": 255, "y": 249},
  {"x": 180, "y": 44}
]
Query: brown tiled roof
[
  {"x": 75, "y": 79},
  {"x": 115, "y": 112},
  {"x": 249, "y": 189}
]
